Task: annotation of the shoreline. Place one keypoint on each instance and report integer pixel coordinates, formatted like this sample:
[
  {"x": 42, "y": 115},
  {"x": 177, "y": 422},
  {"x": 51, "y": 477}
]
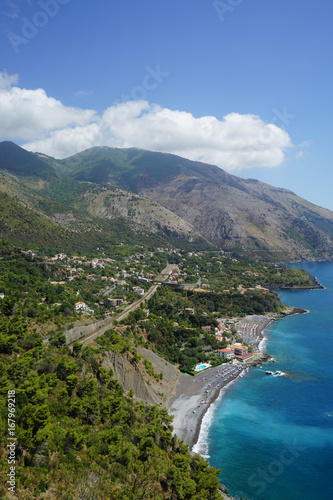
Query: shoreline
[
  {"x": 194, "y": 395},
  {"x": 190, "y": 401}
]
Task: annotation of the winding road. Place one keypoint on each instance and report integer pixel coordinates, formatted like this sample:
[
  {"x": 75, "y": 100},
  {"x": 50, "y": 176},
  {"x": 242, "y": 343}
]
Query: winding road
[{"x": 90, "y": 337}]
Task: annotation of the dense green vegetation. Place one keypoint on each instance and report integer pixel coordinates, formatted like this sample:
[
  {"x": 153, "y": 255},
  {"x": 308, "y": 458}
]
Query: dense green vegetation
[
  {"x": 176, "y": 333},
  {"x": 79, "y": 436},
  {"x": 129, "y": 168},
  {"x": 225, "y": 273},
  {"x": 29, "y": 229},
  {"x": 20, "y": 162}
]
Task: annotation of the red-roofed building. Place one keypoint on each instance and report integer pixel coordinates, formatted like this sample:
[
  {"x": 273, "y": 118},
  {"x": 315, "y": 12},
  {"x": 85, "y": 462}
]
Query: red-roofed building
[
  {"x": 81, "y": 306},
  {"x": 240, "y": 350},
  {"x": 244, "y": 358},
  {"x": 226, "y": 353}
]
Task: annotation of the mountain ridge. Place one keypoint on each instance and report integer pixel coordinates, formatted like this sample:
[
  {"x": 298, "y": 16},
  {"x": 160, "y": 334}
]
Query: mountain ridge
[{"x": 182, "y": 199}]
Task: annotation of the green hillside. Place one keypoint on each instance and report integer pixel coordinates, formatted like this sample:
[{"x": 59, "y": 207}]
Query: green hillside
[
  {"x": 84, "y": 234},
  {"x": 78, "y": 434},
  {"x": 20, "y": 162},
  {"x": 130, "y": 168}
]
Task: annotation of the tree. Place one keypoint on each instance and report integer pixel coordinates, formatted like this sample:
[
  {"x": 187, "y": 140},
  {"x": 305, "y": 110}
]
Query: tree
[
  {"x": 77, "y": 348},
  {"x": 72, "y": 381}
]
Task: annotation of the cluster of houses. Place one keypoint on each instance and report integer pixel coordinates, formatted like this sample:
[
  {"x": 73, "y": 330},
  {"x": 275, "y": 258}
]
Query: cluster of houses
[
  {"x": 81, "y": 267},
  {"x": 175, "y": 276},
  {"x": 236, "y": 351}
]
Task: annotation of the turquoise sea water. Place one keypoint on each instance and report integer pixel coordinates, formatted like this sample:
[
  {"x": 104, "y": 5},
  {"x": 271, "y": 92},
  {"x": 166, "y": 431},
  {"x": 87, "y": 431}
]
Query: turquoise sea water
[{"x": 273, "y": 436}]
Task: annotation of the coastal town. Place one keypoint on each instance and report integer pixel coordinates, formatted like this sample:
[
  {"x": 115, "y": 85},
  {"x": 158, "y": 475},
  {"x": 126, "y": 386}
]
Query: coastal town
[
  {"x": 166, "y": 249},
  {"x": 165, "y": 327},
  {"x": 196, "y": 288}
]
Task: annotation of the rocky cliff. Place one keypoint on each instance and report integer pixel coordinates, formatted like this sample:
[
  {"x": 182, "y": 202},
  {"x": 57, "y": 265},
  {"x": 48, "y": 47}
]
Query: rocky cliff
[
  {"x": 133, "y": 375},
  {"x": 163, "y": 194},
  {"x": 228, "y": 211}
]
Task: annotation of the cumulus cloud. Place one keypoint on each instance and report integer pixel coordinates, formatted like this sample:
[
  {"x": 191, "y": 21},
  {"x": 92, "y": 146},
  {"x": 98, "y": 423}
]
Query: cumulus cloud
[
  {"x": 234, "y": 142},
  {"x": 6, "y": 81},
  {"x": 30, "y": 114},
  {"x": 68, "y": 141}
]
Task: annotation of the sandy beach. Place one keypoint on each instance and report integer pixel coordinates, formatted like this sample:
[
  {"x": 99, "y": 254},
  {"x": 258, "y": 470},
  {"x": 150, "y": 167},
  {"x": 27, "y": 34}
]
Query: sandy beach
[{"x": 194, "y": 395}]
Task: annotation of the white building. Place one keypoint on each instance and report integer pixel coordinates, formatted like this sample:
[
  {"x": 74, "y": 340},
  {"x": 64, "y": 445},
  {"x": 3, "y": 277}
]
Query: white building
[
  {"x": 81, "y": 306},
  {"x": 226, "y": 353}
]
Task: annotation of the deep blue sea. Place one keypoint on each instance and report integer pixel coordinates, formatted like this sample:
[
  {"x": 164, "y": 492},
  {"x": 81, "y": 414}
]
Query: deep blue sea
[{"x": 272, "y": 437}]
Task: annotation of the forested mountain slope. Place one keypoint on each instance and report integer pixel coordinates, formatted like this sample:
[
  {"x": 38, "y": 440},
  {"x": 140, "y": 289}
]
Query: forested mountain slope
[{"x": 164, "y": 197}]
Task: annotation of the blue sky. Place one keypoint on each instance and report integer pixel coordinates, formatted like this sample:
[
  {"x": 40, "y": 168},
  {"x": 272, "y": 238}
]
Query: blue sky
[{"x": 245, "y": 84}]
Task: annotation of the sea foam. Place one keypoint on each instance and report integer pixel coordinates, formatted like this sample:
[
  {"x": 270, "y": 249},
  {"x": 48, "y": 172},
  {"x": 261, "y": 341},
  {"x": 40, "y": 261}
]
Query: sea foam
[{"x": 202, "y": 445}]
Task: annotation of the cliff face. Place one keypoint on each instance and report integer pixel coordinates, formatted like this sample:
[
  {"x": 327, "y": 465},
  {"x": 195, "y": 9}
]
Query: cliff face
[
  {"x": 115, "y": 203},
  {"x": 166, "y": 195},
  {"x": 227, "y": 210},
  {"x": 133, "y": 375},
  {"x": 248, "y": 215}
]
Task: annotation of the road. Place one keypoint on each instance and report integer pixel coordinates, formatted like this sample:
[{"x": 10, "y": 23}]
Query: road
[{"x": 94, "y": 335}]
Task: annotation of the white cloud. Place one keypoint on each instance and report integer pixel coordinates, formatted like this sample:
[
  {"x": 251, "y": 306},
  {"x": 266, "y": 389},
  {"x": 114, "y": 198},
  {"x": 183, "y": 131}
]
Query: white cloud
[
  {"x": 6, "y": 81},
  {"x": 68, "y": 141},
  {"x": 31, "y": 114},
  {"x": 236, "y": 142}
]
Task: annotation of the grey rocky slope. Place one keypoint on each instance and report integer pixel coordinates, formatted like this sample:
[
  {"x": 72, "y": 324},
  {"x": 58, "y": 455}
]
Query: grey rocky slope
[
  {"x": 164, "y": 193},
  {"x": 228, "y": 211}
]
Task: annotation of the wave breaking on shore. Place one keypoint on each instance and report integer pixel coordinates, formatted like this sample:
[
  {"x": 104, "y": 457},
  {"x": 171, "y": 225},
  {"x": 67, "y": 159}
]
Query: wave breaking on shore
[{"x": 202, "y": 444}]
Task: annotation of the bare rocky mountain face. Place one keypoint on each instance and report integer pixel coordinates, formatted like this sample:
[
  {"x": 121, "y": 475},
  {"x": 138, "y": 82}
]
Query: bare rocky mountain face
[
  {"x": 249, "y": 215},
  {"x": 133, "y": 375},
  {"x": 170, "y": 195},
  {"x": 111, "y": 204}
]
